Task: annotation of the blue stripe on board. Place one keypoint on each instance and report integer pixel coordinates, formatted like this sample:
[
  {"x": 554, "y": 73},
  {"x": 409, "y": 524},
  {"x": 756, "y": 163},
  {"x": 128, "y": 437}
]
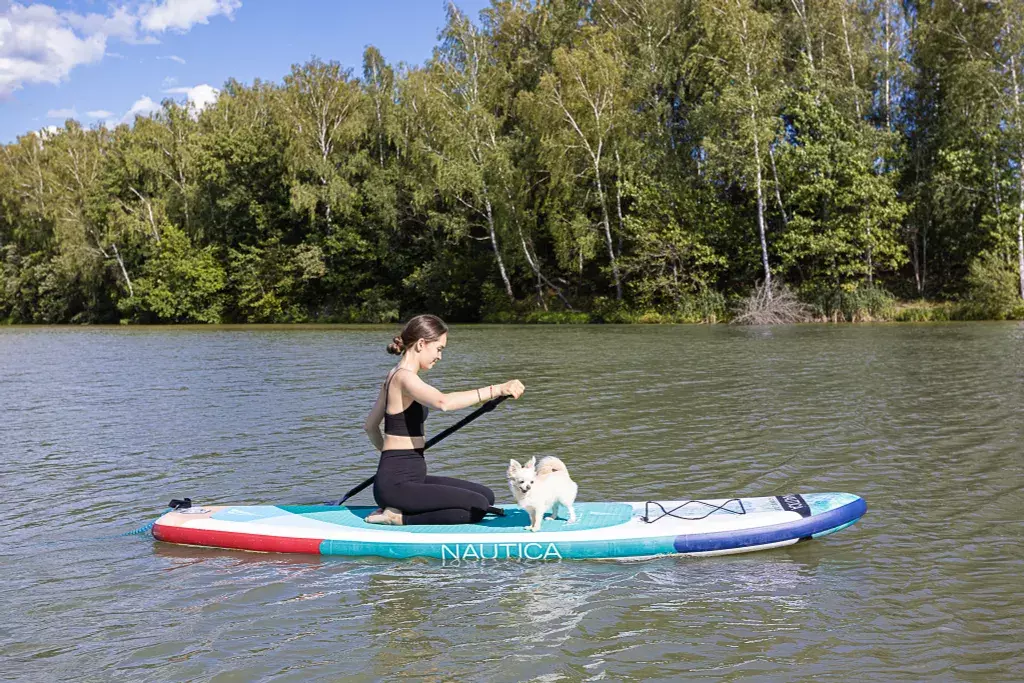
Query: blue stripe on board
[{"x": 776, "y": 533}]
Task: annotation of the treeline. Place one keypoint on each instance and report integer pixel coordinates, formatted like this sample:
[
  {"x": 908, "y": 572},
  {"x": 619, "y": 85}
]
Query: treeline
[{"x": 553, "y": 157}]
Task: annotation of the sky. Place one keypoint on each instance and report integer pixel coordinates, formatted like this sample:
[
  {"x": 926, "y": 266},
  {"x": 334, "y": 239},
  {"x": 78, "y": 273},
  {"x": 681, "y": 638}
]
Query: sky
[{"x": 103, "y": 62}]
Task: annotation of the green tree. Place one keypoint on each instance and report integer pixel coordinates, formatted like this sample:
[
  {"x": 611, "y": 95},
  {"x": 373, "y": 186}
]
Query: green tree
[
  {"x": 741, "y": 60},
  {"x": 461, "y": 137},
  {"x": 327, "y": 158},
  {"x": 960, "y": 166},
  {"x": 177, "y": 284},
  {"x": 670, "y": 226},
  {"x": 844, "y": 216},
  {"x": 579, "y": 110},
  {"x": 326, "y": 111},
  {"x": 88, "y": 244}
]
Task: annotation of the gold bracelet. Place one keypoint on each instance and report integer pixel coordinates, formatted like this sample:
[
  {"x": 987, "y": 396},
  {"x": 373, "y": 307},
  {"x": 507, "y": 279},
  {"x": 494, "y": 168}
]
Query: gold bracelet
[{"x": 478, "y": 398}]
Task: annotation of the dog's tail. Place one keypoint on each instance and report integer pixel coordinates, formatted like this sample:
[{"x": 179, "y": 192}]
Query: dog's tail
[{"x": 549, "y": 464}]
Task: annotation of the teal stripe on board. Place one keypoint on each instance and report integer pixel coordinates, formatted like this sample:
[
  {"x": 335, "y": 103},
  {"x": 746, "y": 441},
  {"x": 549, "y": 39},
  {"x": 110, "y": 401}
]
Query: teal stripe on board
[
  {"x": 589, "y": 516},
  {"x": 835, "y": 529},
  {"x": 505, "y": 551}
]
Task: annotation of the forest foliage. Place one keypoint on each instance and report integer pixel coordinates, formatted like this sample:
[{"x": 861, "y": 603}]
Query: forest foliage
[{"x": 556, "y": 160}]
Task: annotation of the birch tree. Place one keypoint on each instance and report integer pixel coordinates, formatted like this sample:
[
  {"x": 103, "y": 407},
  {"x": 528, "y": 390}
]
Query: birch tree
[
  {"x": 580, "y": 108},
  {"x": 140, "y": 177},
  {"x": 1009, "y": 62},
  {"x": 965, "y": 142},
  {"x": 327, "y": 115},
  {"x": 379, "y": 85},
  {"x": 741, "y": 56},
  {"x": 465, "y": 144},
  {"x": 81, "y": 223},
  {"x": 889, "y": 44},
  {"x": 28, "y": 191}
]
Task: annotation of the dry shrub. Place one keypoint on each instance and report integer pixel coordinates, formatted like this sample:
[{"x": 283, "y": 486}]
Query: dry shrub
[{"x": 774, "y": 305}]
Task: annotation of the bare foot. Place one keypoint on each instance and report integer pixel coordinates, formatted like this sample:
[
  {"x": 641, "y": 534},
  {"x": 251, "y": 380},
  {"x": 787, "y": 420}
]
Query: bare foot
[{"x": 389, "y": 516}]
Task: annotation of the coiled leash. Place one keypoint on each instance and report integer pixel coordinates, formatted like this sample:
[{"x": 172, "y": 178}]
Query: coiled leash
[{"x": 146, "y": 528}]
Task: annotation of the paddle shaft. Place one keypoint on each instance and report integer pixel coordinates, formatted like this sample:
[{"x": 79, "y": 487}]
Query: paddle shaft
[{"x": 485, "y": 408}]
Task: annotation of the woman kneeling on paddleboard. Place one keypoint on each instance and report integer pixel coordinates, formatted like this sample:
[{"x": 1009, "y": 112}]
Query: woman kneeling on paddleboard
[{"x": 402, "y": 488}]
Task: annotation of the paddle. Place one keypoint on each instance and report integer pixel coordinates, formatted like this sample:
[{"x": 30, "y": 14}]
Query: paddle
[{"x": 485, "y": 408}]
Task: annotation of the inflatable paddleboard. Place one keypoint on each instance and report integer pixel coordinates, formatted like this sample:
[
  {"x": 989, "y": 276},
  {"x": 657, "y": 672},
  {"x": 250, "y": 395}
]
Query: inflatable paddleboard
[{"x": 602, "y": 530}]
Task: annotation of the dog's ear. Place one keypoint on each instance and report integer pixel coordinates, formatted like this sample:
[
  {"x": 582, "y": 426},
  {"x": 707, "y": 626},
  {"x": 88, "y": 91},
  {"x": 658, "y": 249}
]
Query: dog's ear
[
  {"x": 531, "y": 463},
  {"x": 513, "y": 466}
]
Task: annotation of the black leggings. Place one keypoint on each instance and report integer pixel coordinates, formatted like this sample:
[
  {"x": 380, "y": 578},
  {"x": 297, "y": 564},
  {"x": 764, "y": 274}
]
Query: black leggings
[{"x": 402, "y": 482}]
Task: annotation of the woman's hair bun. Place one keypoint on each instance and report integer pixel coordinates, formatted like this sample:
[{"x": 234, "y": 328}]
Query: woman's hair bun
[
  {"x": 426, "y": 327},
  {"x": 397, "y": 346}
]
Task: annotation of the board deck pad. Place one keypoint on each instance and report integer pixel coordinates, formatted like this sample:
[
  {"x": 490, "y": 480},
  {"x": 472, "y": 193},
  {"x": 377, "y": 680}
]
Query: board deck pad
[{"x": 588, "y": 516}]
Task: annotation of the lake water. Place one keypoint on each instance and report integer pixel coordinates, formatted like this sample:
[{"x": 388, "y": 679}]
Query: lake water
[{"x": 100, "y": 427}]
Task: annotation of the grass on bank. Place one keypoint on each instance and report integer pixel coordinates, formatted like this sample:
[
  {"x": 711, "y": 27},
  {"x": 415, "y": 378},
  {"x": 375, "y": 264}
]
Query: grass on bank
[
  {"x": 866, "y": 304},
  {"x": 992, "y": 293}
]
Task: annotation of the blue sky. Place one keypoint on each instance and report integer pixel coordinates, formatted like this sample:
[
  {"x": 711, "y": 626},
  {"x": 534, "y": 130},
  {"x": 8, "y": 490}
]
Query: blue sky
[{"x": 101, "y": 61}]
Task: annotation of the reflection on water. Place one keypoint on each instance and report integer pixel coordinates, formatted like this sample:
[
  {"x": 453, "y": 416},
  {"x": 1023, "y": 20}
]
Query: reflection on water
[{"x": 101, "y": 426}]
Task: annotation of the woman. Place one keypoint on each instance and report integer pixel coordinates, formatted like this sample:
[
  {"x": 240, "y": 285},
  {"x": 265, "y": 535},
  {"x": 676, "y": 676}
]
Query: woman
[{"x": 402, "y": 488}]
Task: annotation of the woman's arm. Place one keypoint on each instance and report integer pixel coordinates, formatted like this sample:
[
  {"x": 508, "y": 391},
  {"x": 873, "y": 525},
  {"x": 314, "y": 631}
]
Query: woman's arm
[
  {"x": 373, "y": 421},
  {"x": 420, "y": 391}
]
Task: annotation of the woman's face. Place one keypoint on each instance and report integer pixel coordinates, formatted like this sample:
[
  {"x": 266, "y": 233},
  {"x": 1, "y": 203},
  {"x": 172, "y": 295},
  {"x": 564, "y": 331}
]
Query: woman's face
[{"x": 431, "y": 352}]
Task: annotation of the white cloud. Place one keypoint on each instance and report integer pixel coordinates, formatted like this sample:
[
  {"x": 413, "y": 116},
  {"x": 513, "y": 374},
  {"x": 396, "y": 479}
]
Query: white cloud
[
  {"x": 99, "y": 114},
  {"x": 173, "y": 58},
  {"x": 45, "y": 132},
  {"x": 181, "y": 15},
  {"x": 200, "y": 96},
  {"x": 37, "y": 45},
  {"x": 143, "y": 106},
  {"x": 168, "y": 82},
  {"x": 121, "y": 24},
  {"x": 40, "y": 44},
  {"x": 66, "y": 113}
]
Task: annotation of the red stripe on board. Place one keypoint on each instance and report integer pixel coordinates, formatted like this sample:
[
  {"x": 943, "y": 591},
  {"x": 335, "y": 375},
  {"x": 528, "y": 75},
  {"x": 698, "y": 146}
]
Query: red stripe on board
[{"x": 231, "y": 539}]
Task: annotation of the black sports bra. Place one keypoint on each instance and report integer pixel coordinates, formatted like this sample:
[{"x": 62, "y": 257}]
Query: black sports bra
[{"x": 409, "y": 422}]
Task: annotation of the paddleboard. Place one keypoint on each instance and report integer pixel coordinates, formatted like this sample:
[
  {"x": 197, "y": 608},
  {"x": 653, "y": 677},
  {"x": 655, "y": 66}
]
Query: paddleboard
[{"x": 601, "y": 530}]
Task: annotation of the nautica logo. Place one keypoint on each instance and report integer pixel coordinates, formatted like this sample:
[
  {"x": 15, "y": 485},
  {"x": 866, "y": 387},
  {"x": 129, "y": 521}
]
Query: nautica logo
[
  {"x": 792, "y": 501},
  {"x": 500, "y": 551}
]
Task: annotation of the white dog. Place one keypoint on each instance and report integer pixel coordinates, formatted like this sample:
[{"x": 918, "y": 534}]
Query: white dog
[{"x": 542, "y": 487}]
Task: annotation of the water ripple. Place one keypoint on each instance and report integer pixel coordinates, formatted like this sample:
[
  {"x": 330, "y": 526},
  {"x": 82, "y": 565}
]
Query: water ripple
[{"x": 101, "y": 426}]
